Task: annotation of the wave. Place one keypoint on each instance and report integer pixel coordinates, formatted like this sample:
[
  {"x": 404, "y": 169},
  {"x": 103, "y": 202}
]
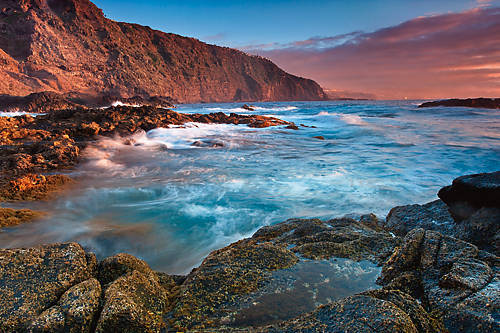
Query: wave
[
  {"x": 350, "y": 119},
  {"x": 256, "y": 108},
  {"x": 18, "y": 113}
]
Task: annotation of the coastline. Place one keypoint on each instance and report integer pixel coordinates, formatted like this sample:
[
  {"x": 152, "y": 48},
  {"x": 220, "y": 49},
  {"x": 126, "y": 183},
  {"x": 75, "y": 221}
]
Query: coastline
[
  {"x": 425, "y": 268},
  {"x": 426, "y": 280}
]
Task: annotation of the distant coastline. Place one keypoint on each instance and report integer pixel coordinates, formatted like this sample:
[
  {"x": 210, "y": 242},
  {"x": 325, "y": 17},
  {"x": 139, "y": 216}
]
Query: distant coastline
[{"x": 486, "y": 103}]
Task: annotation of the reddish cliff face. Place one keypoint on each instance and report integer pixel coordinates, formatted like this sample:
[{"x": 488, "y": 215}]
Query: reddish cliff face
[{"x": 69, "y": 46}]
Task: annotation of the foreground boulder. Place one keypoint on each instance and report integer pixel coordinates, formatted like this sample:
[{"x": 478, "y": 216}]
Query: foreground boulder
[
  {"x": 133, "y": 303},
  {"x": 431, "y": 216},
  {"x": 283, "y": 271},
  {"x": 450, "y": 277},
  {"x": 469, "y": 209},
  {"x": 469, "y": 193},
  {"x": 34, "y": 279}
]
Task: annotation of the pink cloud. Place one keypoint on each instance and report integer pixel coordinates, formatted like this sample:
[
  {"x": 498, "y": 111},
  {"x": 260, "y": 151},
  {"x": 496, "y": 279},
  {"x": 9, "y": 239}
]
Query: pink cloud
[{"x": 451, "y": 55}]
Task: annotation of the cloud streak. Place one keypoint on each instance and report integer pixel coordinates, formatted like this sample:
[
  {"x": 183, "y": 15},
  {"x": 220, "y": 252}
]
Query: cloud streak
[{"x": 450, "y": 55}]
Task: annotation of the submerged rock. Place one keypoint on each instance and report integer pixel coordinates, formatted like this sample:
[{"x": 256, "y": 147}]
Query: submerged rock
[
  {"x": 373, "y": 311},
  {"x": 10, "y": 217},
  {"x": 248, "y": 107}
]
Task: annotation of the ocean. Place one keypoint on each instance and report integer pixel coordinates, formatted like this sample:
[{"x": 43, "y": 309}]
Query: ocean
[{"x": 171, "y": 196}]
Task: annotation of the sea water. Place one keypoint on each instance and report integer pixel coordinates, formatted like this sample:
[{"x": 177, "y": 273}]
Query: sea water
[{"x": 175, "y": 194}]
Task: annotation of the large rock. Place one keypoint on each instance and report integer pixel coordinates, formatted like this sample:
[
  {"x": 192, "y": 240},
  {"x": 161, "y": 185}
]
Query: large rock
[
  {"x": 474, "y": 203},
  {"x": 34, "y": 279},
  {"x": 112, "y": 268},
  {"x": 469, "y": 193},
  {"x": 133, "y": 303},
  {"x": 80, "y": 305},
  {"x": 431, "y": 216},
  {"x": 451, "y": 278},
  {"x": 283, "y": 271}
]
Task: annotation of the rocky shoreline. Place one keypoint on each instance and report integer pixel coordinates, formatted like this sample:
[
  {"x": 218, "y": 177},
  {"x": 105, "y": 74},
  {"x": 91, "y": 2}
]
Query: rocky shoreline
[
  {"x": 424, "y": 268},
  {"x": 432, "y": 275},
  {"x": 33, "y": 150}
]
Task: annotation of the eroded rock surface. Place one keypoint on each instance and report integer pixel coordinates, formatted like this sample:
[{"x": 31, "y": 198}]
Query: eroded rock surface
[
  {"x": 451, "y": 278},
  {"x": 34, "y": 279},
  {"x": 241, "y": 285}
]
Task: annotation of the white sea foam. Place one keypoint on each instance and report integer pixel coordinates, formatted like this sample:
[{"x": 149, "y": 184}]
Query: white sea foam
[
  {"x": 120, "y": 103},
  {"x": 18, "y": 113}
]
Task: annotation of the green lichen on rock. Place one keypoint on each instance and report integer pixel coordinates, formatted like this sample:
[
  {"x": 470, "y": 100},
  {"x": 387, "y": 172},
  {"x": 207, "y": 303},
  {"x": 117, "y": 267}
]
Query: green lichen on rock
[
  {"x": 453, "y": 278},
  {"x": 11, "y": 217},
  {"x": 211, "y": 290},
  {"x": 133, "y": 303},
  {"x": 112, "y": 268},
  {"x": 34, "y": 279}
]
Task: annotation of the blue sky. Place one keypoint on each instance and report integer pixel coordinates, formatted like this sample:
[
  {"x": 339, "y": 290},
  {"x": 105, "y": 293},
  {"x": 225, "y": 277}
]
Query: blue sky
[{"x": 242, "y": 23}]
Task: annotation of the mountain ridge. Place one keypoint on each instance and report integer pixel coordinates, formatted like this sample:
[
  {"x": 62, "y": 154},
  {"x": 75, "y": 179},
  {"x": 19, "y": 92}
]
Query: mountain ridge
[{"x": 69, "y": 46}]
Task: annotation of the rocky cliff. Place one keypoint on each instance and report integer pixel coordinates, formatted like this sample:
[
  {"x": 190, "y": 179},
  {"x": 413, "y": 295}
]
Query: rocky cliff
[{"x": 70, "y": 46}]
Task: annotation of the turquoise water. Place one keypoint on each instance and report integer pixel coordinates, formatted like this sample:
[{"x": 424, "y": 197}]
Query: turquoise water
[{"x": 171, "y": 202}]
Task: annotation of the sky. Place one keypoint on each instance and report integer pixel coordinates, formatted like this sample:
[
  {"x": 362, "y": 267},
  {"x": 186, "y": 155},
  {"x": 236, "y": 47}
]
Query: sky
[{"x": 388, "y": 49}]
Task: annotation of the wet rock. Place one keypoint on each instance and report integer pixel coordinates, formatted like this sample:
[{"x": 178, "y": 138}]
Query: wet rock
[
  {"x": 469, "y": 193},
  {"x": 248, "y": 107},
  {"x": 80, "y": 305},
  {"x": 133, "y": 303},
  {"x": 474, "y": 203},
  {"x": 482, "y": 229},
  {"x": 232, "y": 284},
  {"x": 319, "y": 137},
  {"x": 10, "y": 217},
  {"x": 292, "y": 127},
  {"x": 112, "y": 268},
  {"x": 33, "y": 187},
  {"x": 431, "y": 216},
  {"x": 457, "y": 280},
  {"x": 374, "y": 311},
  {"x": 33, "y": 279}
]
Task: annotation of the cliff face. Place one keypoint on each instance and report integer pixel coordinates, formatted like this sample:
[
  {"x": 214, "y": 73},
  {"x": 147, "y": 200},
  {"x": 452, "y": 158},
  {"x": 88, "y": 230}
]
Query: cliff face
[{"x": 69, "y": 46}]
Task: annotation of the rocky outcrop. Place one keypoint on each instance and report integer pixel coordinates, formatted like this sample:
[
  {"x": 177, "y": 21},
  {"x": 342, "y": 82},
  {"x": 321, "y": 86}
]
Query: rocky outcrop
[
  {"x": 296, "y": 276},
  {"x": 487, "y": 103},
  {"x": 37, "y": 102},
  {"x": 34, "y": 279},
  {"x": 68, "y": 46},
  {"x": 431, "y": 216},
  {"x": 54, "y": 288},
  {"x": 32, "y": 145},
  {"x": 451, "y": 278},
  {"x": 469, "y": 209},
  {"x": 48, "y": 101},
  {"x": 241, "y": 285}
]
